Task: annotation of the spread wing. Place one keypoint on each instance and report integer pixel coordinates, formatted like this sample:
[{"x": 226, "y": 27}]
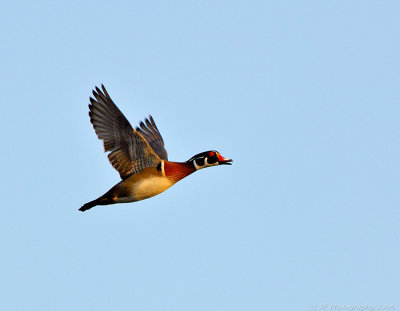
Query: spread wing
[
  {"x": 151, "y": 133},
  {"x": 130, "y": 152}
]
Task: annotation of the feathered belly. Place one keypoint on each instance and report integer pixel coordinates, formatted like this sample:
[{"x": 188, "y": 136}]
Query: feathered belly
[{"x": 150, "y": 187}]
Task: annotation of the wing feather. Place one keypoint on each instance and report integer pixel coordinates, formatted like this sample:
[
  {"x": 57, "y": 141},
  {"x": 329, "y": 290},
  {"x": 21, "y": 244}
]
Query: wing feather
[
  {"x": 130, "y": 152},
  {"x": 151, "y": 133}
]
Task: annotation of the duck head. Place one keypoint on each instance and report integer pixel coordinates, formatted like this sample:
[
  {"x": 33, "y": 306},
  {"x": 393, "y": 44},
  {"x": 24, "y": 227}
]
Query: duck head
[{"x": 208, "y": 158}]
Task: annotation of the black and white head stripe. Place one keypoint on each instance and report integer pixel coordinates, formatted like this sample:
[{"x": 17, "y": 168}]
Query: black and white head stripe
[{"x": 204, "y": 159}]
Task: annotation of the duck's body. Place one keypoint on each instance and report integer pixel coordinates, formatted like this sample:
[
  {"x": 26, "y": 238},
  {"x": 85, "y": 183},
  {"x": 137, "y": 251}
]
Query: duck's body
[{"x": 138, "y": 155}]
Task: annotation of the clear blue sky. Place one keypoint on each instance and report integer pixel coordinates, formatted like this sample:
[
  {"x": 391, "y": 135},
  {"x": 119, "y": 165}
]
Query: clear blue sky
[{"x": 303, "y": 95}]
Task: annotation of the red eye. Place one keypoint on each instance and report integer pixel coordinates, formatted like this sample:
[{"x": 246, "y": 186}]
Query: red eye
[{"x": 211, "y": 154}]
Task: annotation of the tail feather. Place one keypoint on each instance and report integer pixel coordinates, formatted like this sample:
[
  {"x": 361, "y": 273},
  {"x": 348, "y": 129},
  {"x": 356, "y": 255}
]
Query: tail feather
[
  {"x": 99, "y": 201},
  {"x": 89, "y": 205}
]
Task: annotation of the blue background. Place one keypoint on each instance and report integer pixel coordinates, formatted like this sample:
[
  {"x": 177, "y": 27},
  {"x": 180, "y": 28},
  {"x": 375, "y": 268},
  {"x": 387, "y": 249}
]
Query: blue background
[{"x": 303, "y": 95}]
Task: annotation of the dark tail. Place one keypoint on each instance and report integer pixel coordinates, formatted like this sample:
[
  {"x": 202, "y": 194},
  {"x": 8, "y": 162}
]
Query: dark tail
[{"x": 99, "y": 201}]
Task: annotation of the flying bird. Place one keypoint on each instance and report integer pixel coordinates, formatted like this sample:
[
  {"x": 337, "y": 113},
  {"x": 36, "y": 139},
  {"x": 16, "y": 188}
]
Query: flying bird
[{"x": 138, "y": 154}]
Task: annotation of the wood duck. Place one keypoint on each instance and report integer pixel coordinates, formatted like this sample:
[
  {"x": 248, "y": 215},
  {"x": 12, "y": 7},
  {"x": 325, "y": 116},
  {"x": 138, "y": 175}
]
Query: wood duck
[{"x": 138, "y": 155}]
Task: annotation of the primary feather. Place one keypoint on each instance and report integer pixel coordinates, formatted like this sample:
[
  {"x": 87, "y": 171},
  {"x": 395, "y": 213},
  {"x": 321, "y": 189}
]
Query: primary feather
[{"x": 131, "y": 151}]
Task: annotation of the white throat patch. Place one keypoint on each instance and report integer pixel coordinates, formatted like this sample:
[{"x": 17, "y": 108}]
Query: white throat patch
[{"x": 206, "y": 164}]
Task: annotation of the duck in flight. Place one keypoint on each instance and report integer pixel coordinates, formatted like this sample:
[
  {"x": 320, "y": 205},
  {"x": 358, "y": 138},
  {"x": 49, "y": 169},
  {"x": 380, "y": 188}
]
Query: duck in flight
[{"x": 138, "y": 154}]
